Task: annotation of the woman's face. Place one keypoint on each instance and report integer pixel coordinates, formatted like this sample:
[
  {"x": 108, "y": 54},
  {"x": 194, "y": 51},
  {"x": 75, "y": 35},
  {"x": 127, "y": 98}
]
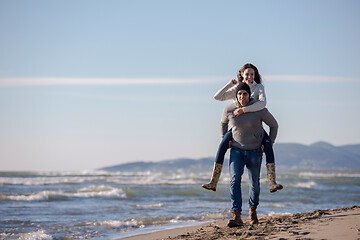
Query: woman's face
[
  {"x": 243, "y": 97},
  {"x": 248, "y": 76}
]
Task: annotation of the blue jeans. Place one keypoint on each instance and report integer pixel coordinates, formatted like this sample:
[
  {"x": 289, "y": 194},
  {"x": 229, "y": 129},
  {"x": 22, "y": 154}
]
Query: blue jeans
[
  {"x": 238, "y": 160},
  {"x": 224, "y": 145}
]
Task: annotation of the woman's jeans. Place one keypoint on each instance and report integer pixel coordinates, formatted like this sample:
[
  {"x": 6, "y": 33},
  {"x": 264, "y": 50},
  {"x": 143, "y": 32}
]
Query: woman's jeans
[
  {"x": 224, "y": 145},
  {"x": 238, "y": 160}
]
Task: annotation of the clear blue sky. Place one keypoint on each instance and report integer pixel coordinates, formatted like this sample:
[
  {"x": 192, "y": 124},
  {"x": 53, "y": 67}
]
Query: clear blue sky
[{"x": 86, "y": 84}]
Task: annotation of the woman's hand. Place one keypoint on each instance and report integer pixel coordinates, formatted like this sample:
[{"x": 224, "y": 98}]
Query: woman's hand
[
  {"x": 238, "y": 112},
  {"x": 234, "y": 81}
]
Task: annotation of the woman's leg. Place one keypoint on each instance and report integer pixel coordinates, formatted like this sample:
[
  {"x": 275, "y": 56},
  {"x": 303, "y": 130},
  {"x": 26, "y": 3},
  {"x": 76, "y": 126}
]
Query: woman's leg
[
  {"x": 219, "y": 161},
  {"x": 270, "y": 163},
  {"x": 223, "y": 147},
  {"x": 268, "y": 148}
]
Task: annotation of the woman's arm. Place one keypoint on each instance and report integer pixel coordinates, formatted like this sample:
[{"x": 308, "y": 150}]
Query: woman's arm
[
  {"x": 226, "y": 93},
  {"x": 259, "y": 98}
]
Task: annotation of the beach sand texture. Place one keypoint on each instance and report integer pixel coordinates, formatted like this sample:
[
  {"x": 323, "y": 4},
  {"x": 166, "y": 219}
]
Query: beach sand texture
[{"x": 339, "y": 224}]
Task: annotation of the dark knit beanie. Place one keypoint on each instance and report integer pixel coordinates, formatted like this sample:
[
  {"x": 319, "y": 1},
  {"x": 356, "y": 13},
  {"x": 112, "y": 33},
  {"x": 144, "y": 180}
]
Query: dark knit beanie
[{"x": 243, "y": 86}]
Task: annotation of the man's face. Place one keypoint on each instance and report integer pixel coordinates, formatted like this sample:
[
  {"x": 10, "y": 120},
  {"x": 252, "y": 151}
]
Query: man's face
[{"x": 243, "y": 97}]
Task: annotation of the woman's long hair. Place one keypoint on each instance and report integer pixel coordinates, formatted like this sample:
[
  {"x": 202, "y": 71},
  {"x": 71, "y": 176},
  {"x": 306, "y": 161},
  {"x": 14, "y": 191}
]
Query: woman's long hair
[{"x": 257, "y": 78}]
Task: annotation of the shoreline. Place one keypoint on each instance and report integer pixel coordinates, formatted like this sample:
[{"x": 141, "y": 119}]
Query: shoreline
[{"x": 341, "y": 223}]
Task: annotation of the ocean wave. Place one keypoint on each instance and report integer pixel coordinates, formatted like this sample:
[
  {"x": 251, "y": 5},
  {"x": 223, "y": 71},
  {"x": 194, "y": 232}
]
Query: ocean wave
[
  {"x": 116, "y": 178},
  {"x": 277, "y": 205},
  {"x": 88, "y": 192},
  {"x": 38, "y": 235},
  {"x": 74, "y": 174},
  {"x": 117, "y": 224},
  {"x": 46, "y": 180},
  {"x": 54, "y": 174},
  {"x": 127, "y": 224},
  {"x": 272, "y": 214},
  {"x": 146, "y": 206},
  {"x": 308, "y": 185},
  {"x": 153, "y": 179},
  {"x": 100, "y": 191},
  {"x": 329, "y": 175},
  {"x": 214, "y": 215}
]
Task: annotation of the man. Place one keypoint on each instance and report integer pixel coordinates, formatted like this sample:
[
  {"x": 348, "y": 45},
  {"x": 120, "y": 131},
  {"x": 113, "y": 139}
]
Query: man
[{"x": 246, "y": 151}]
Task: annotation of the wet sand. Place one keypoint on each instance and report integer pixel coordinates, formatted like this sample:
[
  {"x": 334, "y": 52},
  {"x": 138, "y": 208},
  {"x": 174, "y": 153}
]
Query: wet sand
[{"x": 336, "y": 224}]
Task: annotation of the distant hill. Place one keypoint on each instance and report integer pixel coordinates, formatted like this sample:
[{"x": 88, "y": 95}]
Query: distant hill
[
  {"x": 166, "y": 165},
  {"x": 320, "y": 155}
]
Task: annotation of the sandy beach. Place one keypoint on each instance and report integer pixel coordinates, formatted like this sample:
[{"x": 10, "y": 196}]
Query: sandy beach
[{"x": 320, "y": 224}]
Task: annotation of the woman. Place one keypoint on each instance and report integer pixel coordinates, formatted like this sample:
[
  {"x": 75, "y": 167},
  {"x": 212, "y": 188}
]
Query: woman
[
  {"x": 247, "y": 135},
  {"x": 248, "y": 74}
]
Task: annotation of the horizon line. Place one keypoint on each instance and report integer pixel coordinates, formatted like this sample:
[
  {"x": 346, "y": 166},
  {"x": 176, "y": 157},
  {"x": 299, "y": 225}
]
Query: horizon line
[{"x": 44, "y": 81}]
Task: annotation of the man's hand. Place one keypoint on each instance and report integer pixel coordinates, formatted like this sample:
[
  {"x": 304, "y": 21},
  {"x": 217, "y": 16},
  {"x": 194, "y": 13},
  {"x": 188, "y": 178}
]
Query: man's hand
[
  {"x": 262, "y": 148},
  {"x": 238, "y": 112},
  {"x": 234, "y": 81},
  {"x": 230, "y": 143}
]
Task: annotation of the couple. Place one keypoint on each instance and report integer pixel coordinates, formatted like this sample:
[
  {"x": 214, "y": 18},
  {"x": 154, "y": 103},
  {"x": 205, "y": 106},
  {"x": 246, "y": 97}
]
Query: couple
[{"x": 247, "y": 140}]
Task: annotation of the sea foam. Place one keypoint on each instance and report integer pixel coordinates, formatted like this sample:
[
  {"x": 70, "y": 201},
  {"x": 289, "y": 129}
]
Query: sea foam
[
  {"x": 38, "y": 235},
  {"x": 329, "y": 175},
  {"x": 310, "y": 184},
  {"x": 88, "y": 192}
]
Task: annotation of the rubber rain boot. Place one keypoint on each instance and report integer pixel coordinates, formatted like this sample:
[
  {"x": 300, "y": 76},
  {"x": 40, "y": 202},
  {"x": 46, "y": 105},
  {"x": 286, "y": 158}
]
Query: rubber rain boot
[
  {"x": 214, "y": 178},
  {"x": 270, "y": 169}
]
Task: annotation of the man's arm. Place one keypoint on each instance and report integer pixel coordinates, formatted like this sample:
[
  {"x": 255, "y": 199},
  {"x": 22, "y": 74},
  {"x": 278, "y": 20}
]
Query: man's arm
[
  {"x": 224, "y": 123},
  {"x": 269, "y": 119}
]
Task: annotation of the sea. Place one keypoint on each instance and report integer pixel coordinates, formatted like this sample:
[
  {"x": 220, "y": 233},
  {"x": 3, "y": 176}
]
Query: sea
[{"x": 115, "y": 205}]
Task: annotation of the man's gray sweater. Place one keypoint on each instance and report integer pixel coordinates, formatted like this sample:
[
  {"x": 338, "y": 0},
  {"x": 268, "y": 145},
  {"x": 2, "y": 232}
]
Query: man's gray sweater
[{"x": 247, "y": 131}]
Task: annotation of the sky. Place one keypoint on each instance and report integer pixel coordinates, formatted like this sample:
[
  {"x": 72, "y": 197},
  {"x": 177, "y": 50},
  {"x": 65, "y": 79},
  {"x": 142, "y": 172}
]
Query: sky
[{"x": 87, "y": 84}]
